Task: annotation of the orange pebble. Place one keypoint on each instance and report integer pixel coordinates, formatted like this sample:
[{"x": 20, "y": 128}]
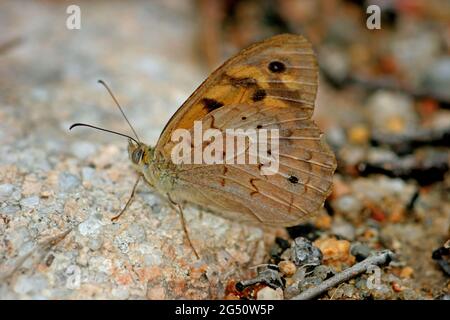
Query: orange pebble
[
  {"x": 406, "y": 272},
  {"x": 396, "y": 287},
  {"x": 323, "y": 221}
]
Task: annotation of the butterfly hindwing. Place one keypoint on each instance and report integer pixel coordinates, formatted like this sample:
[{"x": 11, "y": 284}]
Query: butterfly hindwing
[{"x": 243, "y": 192}]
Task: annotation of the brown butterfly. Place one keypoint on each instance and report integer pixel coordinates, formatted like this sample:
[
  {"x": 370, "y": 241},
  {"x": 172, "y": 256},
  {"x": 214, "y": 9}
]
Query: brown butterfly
[{"x": 269, "y": 85}]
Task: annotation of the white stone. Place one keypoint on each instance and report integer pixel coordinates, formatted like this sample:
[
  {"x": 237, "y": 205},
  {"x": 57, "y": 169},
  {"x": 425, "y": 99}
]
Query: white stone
[
  {"x": 30, "y": 202},
  {"x": 6, "y": 190},
  {"x": 82, "y": 149},
  {"x": 268, "y": 293},
  {"x": 90, "y": 227}
]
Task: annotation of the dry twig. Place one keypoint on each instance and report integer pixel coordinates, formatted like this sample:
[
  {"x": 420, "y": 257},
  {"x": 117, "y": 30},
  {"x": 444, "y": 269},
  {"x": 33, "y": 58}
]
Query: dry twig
[{"x": 381, "y": 258}]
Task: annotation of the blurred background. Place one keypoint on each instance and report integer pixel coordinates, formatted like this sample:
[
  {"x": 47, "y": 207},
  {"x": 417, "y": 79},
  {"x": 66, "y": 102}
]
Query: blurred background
[{"x": 383, "y": 104}]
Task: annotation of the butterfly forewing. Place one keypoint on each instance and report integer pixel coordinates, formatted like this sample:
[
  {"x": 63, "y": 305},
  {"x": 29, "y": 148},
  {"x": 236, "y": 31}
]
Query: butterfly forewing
[{"x": 281, "y": 71}]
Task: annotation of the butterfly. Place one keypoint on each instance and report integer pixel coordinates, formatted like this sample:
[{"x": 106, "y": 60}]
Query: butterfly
[{"x": 269, "y": 85}]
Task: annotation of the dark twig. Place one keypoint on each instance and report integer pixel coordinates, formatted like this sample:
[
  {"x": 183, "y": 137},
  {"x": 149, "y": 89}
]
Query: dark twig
[
  {"x": 442, "y": 257},
  {"x": 389, "y": 83},
  {"x": 426, "y": 167},
  {"x": 267, "y": 275},
  {"x": 409, "y": 141},
  {"x": 382, "y": 83},
  {"x": 381, "y": 258}
]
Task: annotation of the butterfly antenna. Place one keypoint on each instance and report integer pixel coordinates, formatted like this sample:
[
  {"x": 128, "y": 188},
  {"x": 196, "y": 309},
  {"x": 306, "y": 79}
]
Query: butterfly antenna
[
  {"x": 118, "y": 106},
  {"x": 102, "y": 129}
]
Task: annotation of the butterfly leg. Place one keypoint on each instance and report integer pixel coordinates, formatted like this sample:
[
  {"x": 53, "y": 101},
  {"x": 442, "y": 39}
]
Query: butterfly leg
[
  {"x": 116, "y": 217},
  {"x": 183, "y": 223}
]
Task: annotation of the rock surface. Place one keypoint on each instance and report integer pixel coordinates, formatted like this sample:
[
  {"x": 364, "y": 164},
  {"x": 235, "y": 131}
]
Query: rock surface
[
  {"x": 387, "y": 122},
  {"x": 59, "y": 189}
]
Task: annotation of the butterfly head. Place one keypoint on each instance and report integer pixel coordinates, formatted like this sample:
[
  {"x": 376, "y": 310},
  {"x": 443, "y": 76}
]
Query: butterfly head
[
  {"x": 142, "y": 159},
  {"x": 139, "y": 153}
]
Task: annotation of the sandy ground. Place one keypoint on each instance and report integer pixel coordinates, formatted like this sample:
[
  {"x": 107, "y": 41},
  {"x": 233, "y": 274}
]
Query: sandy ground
[{"x": 59, "y": 189}]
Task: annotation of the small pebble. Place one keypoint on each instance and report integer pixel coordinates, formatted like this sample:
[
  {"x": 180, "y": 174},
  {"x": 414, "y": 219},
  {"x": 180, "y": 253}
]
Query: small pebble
[
  {"x": 393, "y": 113},
  {"x": 46, "y": 194},
  {"x": 407, "y": 272},
  {"x": 287, "y": 268},
  {"x": 136, "y": 232},
  {"x": 67, "y": 182},
  {"x": 335, "y": 61},
  {"x": 304, "y": 252},
  {"x": 95, "y": 243},
  {"x": 359, "y": 134},
  {"x": 343, "y": 229},
  {"x": 340, "y": 187},
  {"x": 87, "y": 173},
  {"x": 120, "y": 293},
  {"x": 267, "y": 293},
  {"x": 348, "y": 204},
  {"x": 437, "y": 79},
  {"x": 154, "y": 259},
  {"x": 198, "y": 271},
  {"x": 156, "y": 293},
  {"x": 300, "y": 274},
  {"x": 29, "y": 284},
  {"x": 122, "y": 244},
  {"x": 309, "y": 282},
  {"x": 336, "y": 136},
  {"x": 31, "y": 185},
  {"x": 360, "y": 251},
  {"x": 409, "y": 294},
  {"x": 361, "y": 284},
  {"x": 397, "y": 287},
  {"x": 323, "y": 272},
  {"x": 322, "y": 221},
  {"x": 90, "y": 227},
  {"x": 10, "y": 209},
  {"x": 6, "y": 190},
  {"x": 30, "y": 202},
  {"x": 348, "y": 290},
  {"x": 82, "y": 149},
  {"x": 336, "y": 253}
]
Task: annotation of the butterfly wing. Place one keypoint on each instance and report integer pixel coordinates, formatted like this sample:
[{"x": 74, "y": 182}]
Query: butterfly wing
[
  {"x": 270, "y": 85},
  {"x": 242, "y": 191},
  {"x": 281, "y": 71}
]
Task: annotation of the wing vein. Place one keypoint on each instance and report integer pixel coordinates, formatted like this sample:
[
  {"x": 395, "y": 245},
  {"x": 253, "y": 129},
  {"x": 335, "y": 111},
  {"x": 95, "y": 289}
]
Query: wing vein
[
  {"x": 304, "y": 160},
  {"x": 309, "y": 104}
]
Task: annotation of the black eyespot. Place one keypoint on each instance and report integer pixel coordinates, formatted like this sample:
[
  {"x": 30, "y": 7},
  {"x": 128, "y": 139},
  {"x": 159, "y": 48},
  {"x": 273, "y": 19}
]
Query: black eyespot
[
  {"x": 211, "y": 104},
  {"x": 244, "y": 118},
  {"x": 259, "y": 95},
  {"x": 136, "y": 156},
  {"x": 293, "y": 179},
  {"x": 277, "y": 66},
  {"x": 259, "y": 126}
]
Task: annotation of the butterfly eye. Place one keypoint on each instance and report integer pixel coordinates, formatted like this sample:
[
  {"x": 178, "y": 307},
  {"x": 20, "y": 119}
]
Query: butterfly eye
[{"x": 137, "y": 155}]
